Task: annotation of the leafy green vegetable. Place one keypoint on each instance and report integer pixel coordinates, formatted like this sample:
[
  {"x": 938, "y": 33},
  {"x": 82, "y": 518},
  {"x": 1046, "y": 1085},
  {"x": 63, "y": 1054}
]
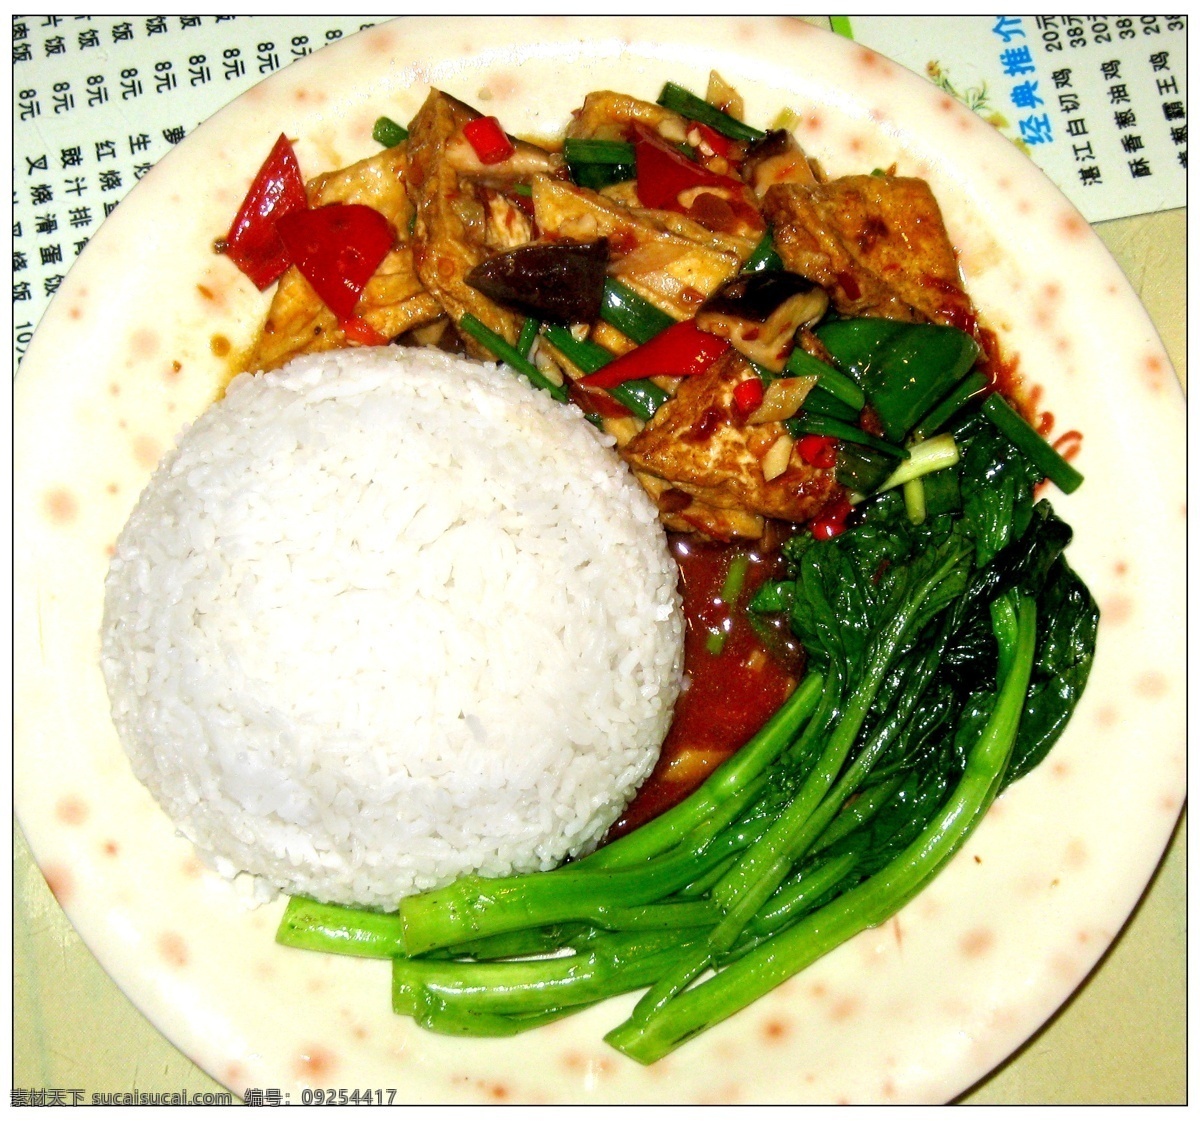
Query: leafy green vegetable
[
  {"x": 1066, "y": 646},
  {"x": 905, "y": 369}
]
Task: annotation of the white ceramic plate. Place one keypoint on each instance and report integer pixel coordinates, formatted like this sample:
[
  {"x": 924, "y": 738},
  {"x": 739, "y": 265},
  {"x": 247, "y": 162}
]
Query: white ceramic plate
[{"x": 914, "y": 1011}]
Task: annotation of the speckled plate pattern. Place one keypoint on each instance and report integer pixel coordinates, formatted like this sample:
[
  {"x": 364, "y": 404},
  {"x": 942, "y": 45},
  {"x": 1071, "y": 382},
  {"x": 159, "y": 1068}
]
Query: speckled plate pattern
[{"x": 137, "y": 342}]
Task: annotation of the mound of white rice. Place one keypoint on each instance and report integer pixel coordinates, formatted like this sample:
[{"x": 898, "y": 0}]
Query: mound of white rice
[{"x": 385, "y": 617}]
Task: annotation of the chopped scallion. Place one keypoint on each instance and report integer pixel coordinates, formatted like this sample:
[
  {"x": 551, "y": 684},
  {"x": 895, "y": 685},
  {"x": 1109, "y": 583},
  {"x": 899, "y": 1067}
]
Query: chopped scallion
[
  {"x": 845, "y": 389},
  {"x": 958, "y": 397},
  {"x": 764, "y": 256},
  {"x": 820, "y": 400},
  {"x": 687, "y": 104},
  {"x": 914, "y": 500},
  {"x": 509, "y": 355},
  {"x": 598, "y": 151},
  {"x": 631, "y": 314},
  {"x": 641, "y": 396},
  {"x": 388, "y": 133},
  {"x": 928, "y": 456},
  {"x": 815, "y": 424},
  {"x": 599, "y": 163},
  {"x": 529, "y": 332},
  {"x": 735, "y": 580},
  {"x": 1030, "y": 443}
]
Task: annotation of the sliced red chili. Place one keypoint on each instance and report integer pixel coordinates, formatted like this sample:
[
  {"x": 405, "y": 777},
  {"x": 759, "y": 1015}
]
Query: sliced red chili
[
  {"x": 849, "y": 285},
  {"x": 719, "y": 145},
  {"x": 359, "y": 332},
  {"x": 832, "y": 521},
  {"x": 663, "y": 172},
  {"x": 489, "y": 140},
  {"x": 337, "y": 248},
  {"x": 818, "y": 451},
  {"x": 597, "y": 401},
  {"x": 253, "y": 243},
  {"x": 682, "y": 350},
  {"x": 747, "y": 396}
]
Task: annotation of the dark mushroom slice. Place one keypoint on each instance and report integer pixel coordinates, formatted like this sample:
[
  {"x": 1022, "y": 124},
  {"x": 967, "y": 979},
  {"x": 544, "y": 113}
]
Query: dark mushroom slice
[
  {"x": 760, "y": 313},
  {"x": 561, "y": 281}
]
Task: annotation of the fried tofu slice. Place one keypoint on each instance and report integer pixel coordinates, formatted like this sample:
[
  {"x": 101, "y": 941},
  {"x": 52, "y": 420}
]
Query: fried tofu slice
[
  {"x": 666, "y": 258},
  {"x": 461, "y": 219},
  {"x": 685, "y": 513},
  {"x": 393, "y": 301},
  {"x": 877, "y": 243},
  {"x": 697, "y": 443},
  {"x": 608, "y": 115}
]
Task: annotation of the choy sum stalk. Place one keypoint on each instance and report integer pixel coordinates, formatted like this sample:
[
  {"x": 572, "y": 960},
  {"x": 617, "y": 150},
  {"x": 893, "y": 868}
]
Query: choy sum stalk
[{"x": 869, "y": 904}]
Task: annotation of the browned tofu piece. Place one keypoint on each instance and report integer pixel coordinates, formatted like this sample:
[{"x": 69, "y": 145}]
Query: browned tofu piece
[
  {"x": 684, "y": 513},
  {"x": 393, "y": 301},
  {"x": 698, "y": 444},
  {"x": 460, "y": 218},
  {"x": 666, "y": 258},
  {"x": 607, "y": 115},
  {"x": 877, "y": 243},
  {"x": 679, "y": 510}
]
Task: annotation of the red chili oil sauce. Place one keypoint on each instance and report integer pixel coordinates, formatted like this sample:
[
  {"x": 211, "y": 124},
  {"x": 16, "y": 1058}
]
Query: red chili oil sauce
[{"x": 727, "y": 696}]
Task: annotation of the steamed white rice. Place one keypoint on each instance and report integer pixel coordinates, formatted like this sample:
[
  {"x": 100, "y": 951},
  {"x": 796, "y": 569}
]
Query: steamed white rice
[{"x": 385, "y": 617}]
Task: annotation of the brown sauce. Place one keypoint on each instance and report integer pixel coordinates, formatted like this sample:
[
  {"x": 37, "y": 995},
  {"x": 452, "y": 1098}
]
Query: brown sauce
[
  {"x": 1002, "y": 372},
  {"x": 727, "y": 696}
]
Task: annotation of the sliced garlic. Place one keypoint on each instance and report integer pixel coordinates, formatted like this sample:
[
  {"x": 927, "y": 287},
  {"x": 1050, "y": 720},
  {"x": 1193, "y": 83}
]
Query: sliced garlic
[
  {"x": 782, "y": 399},
  {"x": 775, "y": 462}
]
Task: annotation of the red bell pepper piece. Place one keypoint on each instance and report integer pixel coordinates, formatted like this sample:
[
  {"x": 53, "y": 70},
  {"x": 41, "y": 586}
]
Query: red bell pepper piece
[
  {"x": 747, "y": 396},
  {"x": 337, "y": 249},
  {"x": 663, "y": 172},
  {"x": 485, "y": 135},
  {"x": 682, "y": 350},
  {"x": 253, "y": 243}
]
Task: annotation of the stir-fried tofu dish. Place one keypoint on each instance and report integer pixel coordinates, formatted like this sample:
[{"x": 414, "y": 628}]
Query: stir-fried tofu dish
[{"x": 670, "y": 275}]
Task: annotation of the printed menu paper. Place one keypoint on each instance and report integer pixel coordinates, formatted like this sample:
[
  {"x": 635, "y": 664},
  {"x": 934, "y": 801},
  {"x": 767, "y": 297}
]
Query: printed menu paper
[{"x": 1099, "y": 103}]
